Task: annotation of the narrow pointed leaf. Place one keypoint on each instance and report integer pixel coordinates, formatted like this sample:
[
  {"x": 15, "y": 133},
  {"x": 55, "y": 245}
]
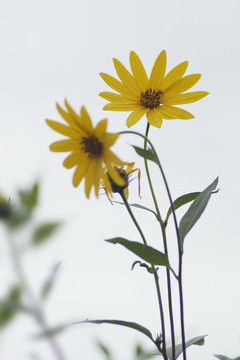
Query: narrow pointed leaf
[
  {"x": 131, "y": 325},
  {"x": 198, "y": 340},
  {"x": 48, "y": 285},
  {"x": 195, "y": 210},
  {"x": 44, "y": 231},
  {"x": 222, "y": 357},
  {"x": 10, "y": 306},
  {"x": 147, "y": 253},
  {"x": 104, "y": 350},
  {"x": 137, "y": 206},
  {"x": 182, "y": 200},
  {"x": 147, "y": 154}
]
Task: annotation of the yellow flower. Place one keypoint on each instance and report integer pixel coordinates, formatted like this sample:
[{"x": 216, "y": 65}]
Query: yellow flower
[
  {"x": 89, "y": 146},
  {"x": 154, "y": 96},
  {"x": 110, "y": 185}
]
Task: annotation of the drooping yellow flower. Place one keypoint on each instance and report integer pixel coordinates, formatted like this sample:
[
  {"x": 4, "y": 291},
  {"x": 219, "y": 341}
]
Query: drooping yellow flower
[
  {"x": 89, "y": 147},
  {"x": 110, "y": 186},
  {"x": 154, "y": 96}
]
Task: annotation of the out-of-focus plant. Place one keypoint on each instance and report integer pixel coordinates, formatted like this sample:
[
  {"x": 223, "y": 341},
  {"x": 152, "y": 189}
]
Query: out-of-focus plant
[{"x": 20, "y": 297}]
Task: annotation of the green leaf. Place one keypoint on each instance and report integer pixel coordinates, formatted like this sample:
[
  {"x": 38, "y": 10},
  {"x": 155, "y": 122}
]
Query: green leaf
[
  {"x": 7, "y": 310},
  {"x": 44, "y": 231},
  {"x": 29, "y": 198},
  {"x": 48, "y": 285},
  {"x": 147, "y": 253},
  {"x": 195, "y": 210},
  {"x": 182, "y": 200},
  {"x": 51, "y": 332},
  {"x": 131, "y": 325},
  {"x": 198, "y": 340},
  {"x": 222, "y": 357},
  {"x": 137, "y": 206},
  {"x": 147, "y": 154},
  {"x": 105, "y": 350}
]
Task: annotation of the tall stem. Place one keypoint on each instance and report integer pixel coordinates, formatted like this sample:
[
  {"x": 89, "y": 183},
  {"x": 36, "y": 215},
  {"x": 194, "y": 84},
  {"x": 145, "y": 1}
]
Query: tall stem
[
  {"x": 37, "y": 311},
  {"x": 163, "y": 230},
  {"x": 164, "y": 353}
]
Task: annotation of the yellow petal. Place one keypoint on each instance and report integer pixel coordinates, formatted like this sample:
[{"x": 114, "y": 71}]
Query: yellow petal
[
  {"x": 175, "y": 74},
  {"x": 86, "y": 121},
  {"x": 97, "y": 176},
  {"x": 115, "y": 97},
  {"x": 158, "y": 71},
  {"x": 180, "y": 86},
  {"x": 101, "y": 127},
  {"x": 116, "y": 85},
  {"x": 65, "y": 145},
  {"x": 109, "y": 139},
  {"x": 73, "y": 159},
  {"x": 154, "y": 117},
  {"x": 126, "y": 78},
  {"x": 89, "y": 178},
  {"x": 186, "y": 98},
  {"x": 63, "y": 129},
  {"x": 173, "y": 112},
  {"x": 121, "y": 107},
  {"x": 114, "y": 174},
  {"x": 138, "y": 71},
  {"x": 80, "y": 171},
  {"x": 110, "y": 157},
  {"x": 136, "y": 115},
  {"x": 67, "y": 117}
]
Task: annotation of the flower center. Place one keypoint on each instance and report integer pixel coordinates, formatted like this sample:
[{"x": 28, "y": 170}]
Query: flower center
[
  {"x": 115, "y": 187},
  {"x": 92, "y": 146},
  {"x": 151, "y": 98}
]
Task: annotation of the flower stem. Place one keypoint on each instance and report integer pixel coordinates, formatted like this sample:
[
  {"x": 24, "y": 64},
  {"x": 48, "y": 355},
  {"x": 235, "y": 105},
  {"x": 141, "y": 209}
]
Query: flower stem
[
  {"x": 163, "y": 230},
  {"x": 164, "y": 353},
  {"x": 37, "y": 311}
]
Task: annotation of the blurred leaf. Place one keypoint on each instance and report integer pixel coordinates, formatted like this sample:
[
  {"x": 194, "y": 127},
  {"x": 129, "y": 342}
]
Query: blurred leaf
[
  {"x": 44, "y": 231},
  {"x": 182, "y": 200},
  {"x": 7, "y": 313},
  {"x": 195, "y": 211},
  {"x": 222, "y": 357},
  {"x": 48, "y": 285},
  {"x": 147, "y": 253},
  {"x": 104, "y": 349},
  {"x": 51, "y": 332},
  {"x": 128, "y": 324},
  {"x": 198, "y": 340},
  {"x": 147, "y": 154},
  {"x": 29, "y": 198}
]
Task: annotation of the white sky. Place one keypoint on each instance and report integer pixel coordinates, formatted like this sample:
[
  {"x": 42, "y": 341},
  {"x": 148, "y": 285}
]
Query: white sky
[{"x": 51, "y": 50}]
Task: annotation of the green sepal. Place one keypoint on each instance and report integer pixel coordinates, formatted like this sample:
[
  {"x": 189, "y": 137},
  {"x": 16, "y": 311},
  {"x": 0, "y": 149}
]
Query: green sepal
[
  {"x": 195, "y": 211},
  {"x": 147, "y": 154},
  {"x": 145, "y": 252}
]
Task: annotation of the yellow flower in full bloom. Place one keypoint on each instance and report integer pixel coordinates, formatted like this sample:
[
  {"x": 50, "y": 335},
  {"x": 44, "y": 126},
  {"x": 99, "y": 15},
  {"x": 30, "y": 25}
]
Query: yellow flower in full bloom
[
  {"x": 111, "y": 187},
  {"x": 155, "y": 96},
  {"x": 89, "y": 147}
]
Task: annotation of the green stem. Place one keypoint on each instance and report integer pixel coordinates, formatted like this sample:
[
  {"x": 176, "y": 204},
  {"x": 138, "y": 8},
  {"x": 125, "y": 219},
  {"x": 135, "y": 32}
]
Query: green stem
[
  {"x": 164, "y": 353},
  {"x": 170, "y": 306},
  {"x": 37, "y": 311}
]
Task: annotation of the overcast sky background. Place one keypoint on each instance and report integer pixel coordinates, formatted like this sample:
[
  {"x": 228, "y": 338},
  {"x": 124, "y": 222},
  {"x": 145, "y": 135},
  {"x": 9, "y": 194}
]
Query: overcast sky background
[{"x": 51, "y": 50}]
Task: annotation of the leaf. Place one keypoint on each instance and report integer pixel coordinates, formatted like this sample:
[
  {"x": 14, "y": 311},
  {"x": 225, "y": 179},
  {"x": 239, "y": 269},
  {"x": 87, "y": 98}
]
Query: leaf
[
  {"x": 29, "y": 198},
  {"x": 105, "y": 350},
  {"x": 198, "y": 340},
  {"x": 138, "y": 206},
  {"x": 8, "y": 312},
  {"x": 131, "y": 325},
  {"x": 147, "y": 154},
  {"x": 47, "y": 286},
  {"x": 51, "y": 332},
  {"x": 44, "y": 231},
  {"x": 147, "y": 253},
  {"x": 195, "y": 210},
  {"x": 222, "y": 357},
  {"x": 182, "y": 200}
]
